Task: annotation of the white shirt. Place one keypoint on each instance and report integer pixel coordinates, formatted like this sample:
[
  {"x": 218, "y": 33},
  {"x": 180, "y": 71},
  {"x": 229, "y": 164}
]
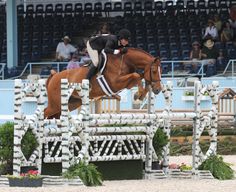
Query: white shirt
[
  {"x": 65, "y": 50},
  {"x": 212, "y": 31}
]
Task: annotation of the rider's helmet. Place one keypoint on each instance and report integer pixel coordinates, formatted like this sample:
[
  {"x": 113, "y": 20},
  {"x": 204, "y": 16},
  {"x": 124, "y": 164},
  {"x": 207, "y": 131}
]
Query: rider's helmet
[{"x": 124, "y": 34}]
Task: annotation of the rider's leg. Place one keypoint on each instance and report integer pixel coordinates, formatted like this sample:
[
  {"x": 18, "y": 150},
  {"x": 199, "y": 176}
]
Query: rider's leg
[
  {"x": 95, "y": 59},
  {"x": 92, "y": 71}
]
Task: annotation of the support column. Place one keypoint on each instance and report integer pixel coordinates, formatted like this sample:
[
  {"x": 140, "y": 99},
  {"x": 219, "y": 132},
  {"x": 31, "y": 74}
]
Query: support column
[{"x": 12, "y": 56}]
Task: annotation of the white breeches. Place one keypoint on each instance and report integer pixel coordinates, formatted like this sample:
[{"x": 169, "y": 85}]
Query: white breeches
[{"x": 93, "y": 54}]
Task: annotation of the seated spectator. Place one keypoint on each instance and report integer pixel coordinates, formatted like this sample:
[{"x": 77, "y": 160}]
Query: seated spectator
[
  {"x": 221, "y": 60},
  {"x": 64, "y": 50},
  {"x": 232, "y": 20},
  {"x": 195, "y": 55},
  {"x": 210, "y": 31},
  {"x": 209, "y": 55},
  {"x": 217, "y": 23},
  {"x": 85, "y": 58},
  {"x": 74, "y": 62},
  {"x": 227, "y": 33}
]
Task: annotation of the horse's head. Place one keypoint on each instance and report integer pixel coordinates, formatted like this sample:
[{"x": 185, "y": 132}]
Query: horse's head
[{"x": 152, "y": 75}]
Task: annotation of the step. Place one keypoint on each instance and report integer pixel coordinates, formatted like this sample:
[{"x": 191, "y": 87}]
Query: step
[
  {"x": 204, "y": 174},
  {"x": 58, "y": 180},
  {"x": 155, "y": 174},
  {"x": 4, "y": 181}
]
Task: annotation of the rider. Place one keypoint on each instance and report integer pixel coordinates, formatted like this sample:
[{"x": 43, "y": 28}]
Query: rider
[{"x": 110, "y": 43}]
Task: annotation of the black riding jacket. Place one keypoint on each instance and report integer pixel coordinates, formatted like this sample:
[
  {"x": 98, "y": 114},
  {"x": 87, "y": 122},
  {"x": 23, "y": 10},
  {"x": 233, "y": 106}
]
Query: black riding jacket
[{"x": 107, "y": 42}]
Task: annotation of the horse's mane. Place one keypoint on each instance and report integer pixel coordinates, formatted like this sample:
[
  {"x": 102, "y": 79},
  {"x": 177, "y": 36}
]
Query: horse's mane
[{"x": 140, "y": 50}]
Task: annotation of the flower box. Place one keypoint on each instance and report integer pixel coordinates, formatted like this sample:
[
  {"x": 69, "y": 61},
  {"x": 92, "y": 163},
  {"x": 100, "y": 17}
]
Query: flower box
[
  {"x": 29, "y": 179},
  {"x": 25, "y": 182}
]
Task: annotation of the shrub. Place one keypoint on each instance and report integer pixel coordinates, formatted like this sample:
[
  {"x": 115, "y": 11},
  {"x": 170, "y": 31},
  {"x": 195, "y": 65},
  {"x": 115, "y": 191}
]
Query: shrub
[
  {"x": 88, "y": 173},
  {"x": 217, "y": 167},
  {"x": 28, "y": 143},
  {"x": 159, "y": 141}
]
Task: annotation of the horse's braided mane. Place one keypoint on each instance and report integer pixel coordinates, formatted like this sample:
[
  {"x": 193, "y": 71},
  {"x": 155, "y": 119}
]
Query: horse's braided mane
[{"x": 138, "y": 49}]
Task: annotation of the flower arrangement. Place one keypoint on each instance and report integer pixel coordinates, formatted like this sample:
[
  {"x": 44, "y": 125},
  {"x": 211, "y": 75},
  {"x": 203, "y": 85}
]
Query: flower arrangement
[
  {"x": 31, "y": 174},
  {"x": 28, "y": 179},
  {"x": 182, "y": 167}
]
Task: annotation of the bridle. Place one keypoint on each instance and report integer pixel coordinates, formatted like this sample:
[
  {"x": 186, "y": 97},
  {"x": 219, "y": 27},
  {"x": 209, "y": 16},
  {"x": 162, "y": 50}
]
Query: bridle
[{"x": 153, "y": 79}]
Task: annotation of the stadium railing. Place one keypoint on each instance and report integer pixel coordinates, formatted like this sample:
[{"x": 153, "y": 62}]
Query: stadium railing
[
  {"x": 175, "y": 68},
  {"x": 2, "y": 68},
  {"x": 231, "y": 66}
]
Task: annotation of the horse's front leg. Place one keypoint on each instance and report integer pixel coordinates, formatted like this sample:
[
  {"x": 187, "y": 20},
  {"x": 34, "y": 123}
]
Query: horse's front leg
[
  {"x": 129, "y": 81},
  {"x": 142, "y": 92}
]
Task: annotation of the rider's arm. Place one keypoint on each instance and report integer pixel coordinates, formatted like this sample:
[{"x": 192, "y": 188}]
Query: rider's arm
[{"x": 109, "y": 48}]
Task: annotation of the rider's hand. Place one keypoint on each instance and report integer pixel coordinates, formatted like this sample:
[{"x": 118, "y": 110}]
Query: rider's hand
[
  {"x": 116, "y": 51},
  {"x": 123, "y": 50}
]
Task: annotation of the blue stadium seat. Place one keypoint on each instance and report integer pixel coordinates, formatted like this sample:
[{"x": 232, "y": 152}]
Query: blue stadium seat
[
  {"x": 68, "y": 8},
  {"x": 231, "y": 53},
  {"x": 158, "y": 8},
  {"x": 78, "y": 10},
  {"x": 117, "y": 6},
  {"x": 30, "y": 9},
  {"x": 138, "y": 8},
  {"x": 97, "y": 9},
  {"x": 128, "y": 9},
  {"x": 148, "y": 8}
]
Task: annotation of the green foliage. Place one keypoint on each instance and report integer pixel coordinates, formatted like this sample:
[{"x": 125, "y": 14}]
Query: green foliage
[
  {"x": 226, "y": 146},
  {"x": 88, "y": 173},
  {"x": 6, "y": 147},
  {"x": 184, "y": 167},
  {"x": 217, "y": 167},
  {"x": 29, "y": 143},
  {"x": 159, "y": 141}
]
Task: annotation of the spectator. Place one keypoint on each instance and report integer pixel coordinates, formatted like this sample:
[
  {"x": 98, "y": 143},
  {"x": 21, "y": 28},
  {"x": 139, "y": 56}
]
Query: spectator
[
  {"x": 210, "y": 31},
  {"x": 227, "y": 32},
  {"x": 232, "y": 19},
  {"x": 64, "y": 50},
  {"x": 85, "y": 57},
  {"x": 217, "y": 23},
  {"x": 104, "y": 29},
  {"x": 74, "y": 62},
  {"x": 209, "y": 55},
  {"x": 195, "y": 55},
  {"x": 221, "y": 60}
]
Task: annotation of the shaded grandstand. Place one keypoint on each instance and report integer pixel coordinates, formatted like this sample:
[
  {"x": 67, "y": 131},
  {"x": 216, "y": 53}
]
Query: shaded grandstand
[{"x": 166, "y": 29}]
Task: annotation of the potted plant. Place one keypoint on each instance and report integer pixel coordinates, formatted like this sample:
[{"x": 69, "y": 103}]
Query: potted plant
[
  {"x": 88, "y": 173},
  {"x": 29, "y": 179},
  {"x": 160, "y": 140}
]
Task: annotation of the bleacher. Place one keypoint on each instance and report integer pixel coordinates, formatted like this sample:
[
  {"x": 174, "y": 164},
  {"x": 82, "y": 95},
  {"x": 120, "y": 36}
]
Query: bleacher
[{"x": 164, "y": 29}]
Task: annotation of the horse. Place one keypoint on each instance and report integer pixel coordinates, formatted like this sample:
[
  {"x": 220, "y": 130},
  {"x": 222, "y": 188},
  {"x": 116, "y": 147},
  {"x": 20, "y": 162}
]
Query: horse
[{"x": 121, "y": 71}]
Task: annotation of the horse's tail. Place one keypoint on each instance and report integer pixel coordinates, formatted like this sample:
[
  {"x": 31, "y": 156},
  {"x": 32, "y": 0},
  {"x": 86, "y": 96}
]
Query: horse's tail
[{"x": 48, "y": 80}]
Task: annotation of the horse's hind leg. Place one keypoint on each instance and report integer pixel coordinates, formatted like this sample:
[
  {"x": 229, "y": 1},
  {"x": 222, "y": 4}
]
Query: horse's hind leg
[
  {"x": 50, "y": 114},
  {"x": 74, "y": 102}
]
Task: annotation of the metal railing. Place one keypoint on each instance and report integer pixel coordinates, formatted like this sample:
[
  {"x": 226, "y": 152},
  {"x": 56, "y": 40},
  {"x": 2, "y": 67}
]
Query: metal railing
[
  {"x": 2, "y": 68},
  {"x": 232, "y": 64},
  {"x": 172, "y": 74},
  {"x": 185, "y": 73},
  {"x": 29, "y": 66}
]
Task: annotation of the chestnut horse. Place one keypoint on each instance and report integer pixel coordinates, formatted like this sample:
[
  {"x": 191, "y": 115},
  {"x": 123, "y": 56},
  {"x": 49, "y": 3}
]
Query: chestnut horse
[{"x": 120, "y": 73}]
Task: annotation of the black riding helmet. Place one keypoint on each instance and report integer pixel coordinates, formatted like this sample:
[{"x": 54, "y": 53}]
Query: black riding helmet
[{"x": 124, "y": 34}]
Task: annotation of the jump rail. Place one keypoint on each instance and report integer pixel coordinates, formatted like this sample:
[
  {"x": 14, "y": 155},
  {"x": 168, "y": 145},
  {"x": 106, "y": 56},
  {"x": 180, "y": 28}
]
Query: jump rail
[{"x": 101, "y": 137}]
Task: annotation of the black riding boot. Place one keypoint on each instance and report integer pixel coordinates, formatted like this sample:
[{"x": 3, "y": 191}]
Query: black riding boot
[{"x": 92, "y": 71}]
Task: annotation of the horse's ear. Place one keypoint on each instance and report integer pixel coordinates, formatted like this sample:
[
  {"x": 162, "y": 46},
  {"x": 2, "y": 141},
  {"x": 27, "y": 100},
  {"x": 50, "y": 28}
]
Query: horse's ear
[{"x": 157, "y": 59}]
